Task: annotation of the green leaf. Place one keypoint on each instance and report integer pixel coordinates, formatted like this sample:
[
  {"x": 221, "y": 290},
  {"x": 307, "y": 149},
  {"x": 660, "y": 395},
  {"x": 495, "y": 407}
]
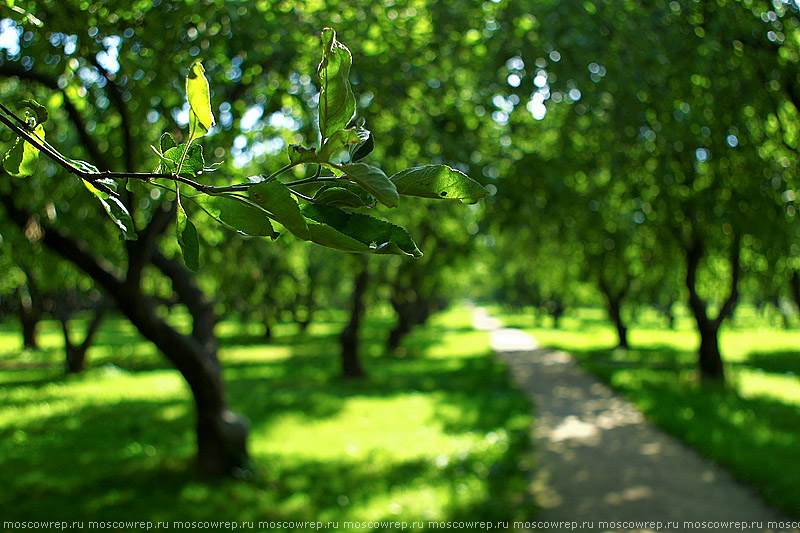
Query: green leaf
[
  {"x": 337, "y": 142},
  {"x": 199, "y": 96},
  {"x": 22, "y": 158},
  {"x": 365, "y": 148},
  {"x": 300, "y": 154},
  {"x": 344, "y": 194},
  {"x": 276, "y": 198},
  {"x": 330, "y": 238},
  {"x": 187, "y": 239},
  {"x": 38, "y": 109},
  {"x": 375, "y": 181},
  {"x": 192, "y": 165},
  {"x": 13, "y": 158},
  {"x": 167, "y": 142},
  {"x": 116, "y": 210},
  {"x": 337, "y": 104},
  {"x": 438, "y": 181},
  {"x": 236, "y": 214},
  {"x": 377, "y": 236}
]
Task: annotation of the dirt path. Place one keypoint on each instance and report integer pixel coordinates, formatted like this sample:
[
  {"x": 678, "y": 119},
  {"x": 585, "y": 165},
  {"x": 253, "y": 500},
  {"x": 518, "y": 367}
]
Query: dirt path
[{"x": 599, "y": 460}]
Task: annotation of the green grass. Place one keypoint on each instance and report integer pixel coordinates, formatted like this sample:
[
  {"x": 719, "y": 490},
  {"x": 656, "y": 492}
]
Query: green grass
[
  {"x": 752, "y": 426},
  {"x": 437, "y": 435}
]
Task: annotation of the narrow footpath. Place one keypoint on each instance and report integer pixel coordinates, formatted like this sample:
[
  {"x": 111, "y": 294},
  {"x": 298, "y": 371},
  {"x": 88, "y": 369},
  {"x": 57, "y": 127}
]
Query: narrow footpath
[{"x": 598, "y": 459}]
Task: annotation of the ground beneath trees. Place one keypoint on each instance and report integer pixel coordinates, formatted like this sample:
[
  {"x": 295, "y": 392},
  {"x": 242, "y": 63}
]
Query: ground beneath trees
[{"x": 597, "y": 459}]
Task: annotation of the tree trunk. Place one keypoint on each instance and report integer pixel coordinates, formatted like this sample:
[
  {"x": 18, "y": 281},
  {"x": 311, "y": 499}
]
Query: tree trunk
[
  {"x": 29, "y": 316},
  {"x": 76, "y": 353},
  {"x": 221, "y": 435},
  {"x": 30, "y": 333},
  {"x": 399, "y": 331},
  {"x": 670, "y": 315},
  {"x": 402, "y": 302},
  {"x": 614, "y": 301},
  {"x": 351, "y": 363},
  {"x": 557, "y": 312},
  {"x": 267, "y": 329},
  {"x": 615, "y": 312},
  {"x": 709, "y": 356}
]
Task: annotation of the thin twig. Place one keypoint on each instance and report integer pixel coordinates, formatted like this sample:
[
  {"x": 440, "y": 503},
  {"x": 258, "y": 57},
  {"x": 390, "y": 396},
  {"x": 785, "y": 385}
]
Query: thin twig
[
  {"x": 22, "y": 129},
  {"x": 311, "y": 180},
  {"x": 34, "y": 140}
]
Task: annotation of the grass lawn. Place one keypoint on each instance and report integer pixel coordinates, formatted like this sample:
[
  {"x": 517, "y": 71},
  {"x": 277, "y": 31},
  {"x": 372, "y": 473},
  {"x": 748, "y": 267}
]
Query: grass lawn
[
  {"x": 752, "y": 426},
  {"x": 437, "y": 435}
]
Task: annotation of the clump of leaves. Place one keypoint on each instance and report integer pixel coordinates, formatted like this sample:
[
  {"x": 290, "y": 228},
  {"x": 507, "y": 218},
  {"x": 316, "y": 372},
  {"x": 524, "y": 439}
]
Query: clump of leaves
[{"x": 327, "y": 207}]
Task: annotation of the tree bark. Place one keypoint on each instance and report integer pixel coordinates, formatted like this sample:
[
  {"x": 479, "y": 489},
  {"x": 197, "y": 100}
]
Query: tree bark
[
  {"x": 351, "y": 363},
  {"x": 221, "y": 435}
]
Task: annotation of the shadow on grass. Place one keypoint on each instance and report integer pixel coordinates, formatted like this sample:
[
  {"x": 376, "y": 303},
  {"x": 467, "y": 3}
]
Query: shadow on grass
[
  {"x": 71, "y": 457},
  {"x": 787, "y": 362},
  {"x": 664, "y": 357}
]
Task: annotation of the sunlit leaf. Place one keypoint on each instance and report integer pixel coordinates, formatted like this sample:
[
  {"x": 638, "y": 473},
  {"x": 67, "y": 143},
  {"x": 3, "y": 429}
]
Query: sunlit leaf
[
  {"x": 337, "y": 104},
  {"x": 199, "y": 96},
  {"x": 276, "y": 198},
  {"x": 192, "y": 165},
  {"x": 378, "y": 236},
  {"x": 196, "y": 128},
  {"x": 375, "y": 181},
  {"x": 116, "y": 210},
  {"x": 438, "y": 181},
  {"x": 187, "y": 239},
  {"x": 236, "y": 214},
  {"x": 167, "y": 142},
  {"x": 22, "y": 158}
]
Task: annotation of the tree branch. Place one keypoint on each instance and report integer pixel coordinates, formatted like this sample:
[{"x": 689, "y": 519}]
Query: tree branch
[
  {"x": 11, "y": 69},
  {"x": 140, "y": 252},
  {"x": 103, "y": 272},
  {"x": 201, "y": 308},
  {"x": 694, "y": 253},
  {"x": 727, "y": 308}
]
